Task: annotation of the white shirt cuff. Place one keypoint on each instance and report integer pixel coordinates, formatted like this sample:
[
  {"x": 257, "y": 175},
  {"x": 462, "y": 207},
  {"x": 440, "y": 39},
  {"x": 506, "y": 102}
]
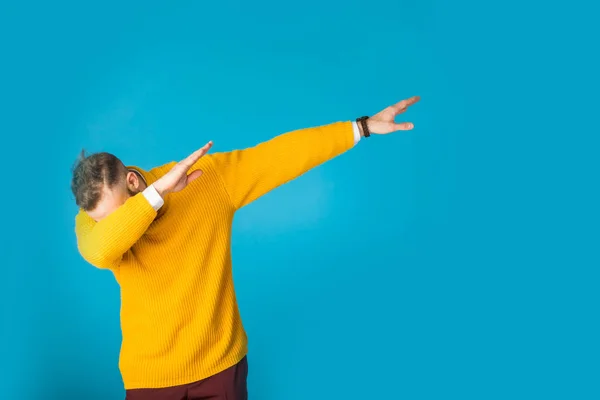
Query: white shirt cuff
[
  {"x": 155, "y": 200},
  {"x": 356, "y": 132}
]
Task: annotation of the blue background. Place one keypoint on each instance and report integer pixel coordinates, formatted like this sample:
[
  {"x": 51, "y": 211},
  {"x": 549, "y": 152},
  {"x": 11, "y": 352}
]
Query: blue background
[{"x": 457, "y": 261}]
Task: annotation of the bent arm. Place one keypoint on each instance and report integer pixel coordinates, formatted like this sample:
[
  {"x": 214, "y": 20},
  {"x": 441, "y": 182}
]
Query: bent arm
[
  {"x": 103, "y": 243},
  {"x": 250, "y": 173}
]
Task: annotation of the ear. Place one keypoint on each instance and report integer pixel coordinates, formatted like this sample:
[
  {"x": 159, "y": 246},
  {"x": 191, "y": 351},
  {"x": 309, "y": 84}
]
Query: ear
[{"x": 133, "y": 181}]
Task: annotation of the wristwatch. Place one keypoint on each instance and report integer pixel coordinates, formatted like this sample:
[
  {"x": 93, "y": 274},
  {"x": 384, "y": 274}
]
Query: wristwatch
[{"x": 363, "y": 123}]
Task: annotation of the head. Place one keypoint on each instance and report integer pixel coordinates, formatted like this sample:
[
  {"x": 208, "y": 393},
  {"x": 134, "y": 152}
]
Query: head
[{"x": 101, "y": 183}]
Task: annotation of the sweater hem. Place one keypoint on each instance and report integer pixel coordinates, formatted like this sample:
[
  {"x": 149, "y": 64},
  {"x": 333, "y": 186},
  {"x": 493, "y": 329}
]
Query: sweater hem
[{"x": 184, "y": 380}]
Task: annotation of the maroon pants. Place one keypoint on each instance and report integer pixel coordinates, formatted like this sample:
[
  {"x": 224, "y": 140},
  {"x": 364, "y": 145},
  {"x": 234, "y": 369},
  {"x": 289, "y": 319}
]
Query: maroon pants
[{"x": 226, "y": 385}]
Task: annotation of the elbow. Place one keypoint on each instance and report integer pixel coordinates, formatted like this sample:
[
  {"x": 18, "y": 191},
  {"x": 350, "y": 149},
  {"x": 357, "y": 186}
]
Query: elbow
[
  {"x": 103, "y": 262},
  {"x": 99, "y": 259}
]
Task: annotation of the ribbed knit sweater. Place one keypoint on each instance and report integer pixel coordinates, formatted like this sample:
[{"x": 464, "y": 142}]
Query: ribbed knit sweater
[{"x": 179, "y": 315}]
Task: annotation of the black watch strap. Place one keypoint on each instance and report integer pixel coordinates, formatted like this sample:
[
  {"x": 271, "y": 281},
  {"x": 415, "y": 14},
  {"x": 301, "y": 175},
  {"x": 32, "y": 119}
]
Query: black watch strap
[{"x": 365, "y": 128}]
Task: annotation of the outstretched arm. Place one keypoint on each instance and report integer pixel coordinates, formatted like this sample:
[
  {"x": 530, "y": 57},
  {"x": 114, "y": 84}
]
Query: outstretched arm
[{"x": 250, "y": 173}]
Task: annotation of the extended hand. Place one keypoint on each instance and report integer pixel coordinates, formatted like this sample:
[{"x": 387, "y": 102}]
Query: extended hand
[
  {"x": 177, "y": 178},
  {"x": 384, "y": 122}
]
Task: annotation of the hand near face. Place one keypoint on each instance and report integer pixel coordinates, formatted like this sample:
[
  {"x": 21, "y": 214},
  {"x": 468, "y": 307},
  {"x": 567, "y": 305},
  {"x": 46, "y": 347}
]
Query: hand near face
[{"x": 177, "y": 178}]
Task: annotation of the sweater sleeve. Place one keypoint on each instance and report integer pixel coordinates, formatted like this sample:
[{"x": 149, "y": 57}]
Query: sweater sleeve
[
  {"x": 103, "y": 243},
  {"x": 250, "y": 173}
]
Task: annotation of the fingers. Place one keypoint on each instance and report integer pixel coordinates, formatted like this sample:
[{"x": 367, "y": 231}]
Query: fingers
[
  {"x": 194, "y": 175},
  {"x": 190, "y": 160},
  {"x": 400, "y": 107},
  {"x": 405, "y": 126}
]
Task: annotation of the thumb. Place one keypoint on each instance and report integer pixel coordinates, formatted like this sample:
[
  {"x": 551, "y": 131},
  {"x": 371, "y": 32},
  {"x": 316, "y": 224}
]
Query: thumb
[
  {"x": 405, "y": 126},
  {"x": 194, "y": 175}
]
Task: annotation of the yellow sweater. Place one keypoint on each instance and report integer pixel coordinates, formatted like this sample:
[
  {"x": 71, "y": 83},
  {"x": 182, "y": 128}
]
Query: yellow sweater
[{"x": 179, "y": 316}]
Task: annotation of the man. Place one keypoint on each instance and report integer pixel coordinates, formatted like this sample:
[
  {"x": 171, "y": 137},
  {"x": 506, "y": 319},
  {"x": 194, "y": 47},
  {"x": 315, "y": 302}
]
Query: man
[{"x": 165, "y": 235}]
